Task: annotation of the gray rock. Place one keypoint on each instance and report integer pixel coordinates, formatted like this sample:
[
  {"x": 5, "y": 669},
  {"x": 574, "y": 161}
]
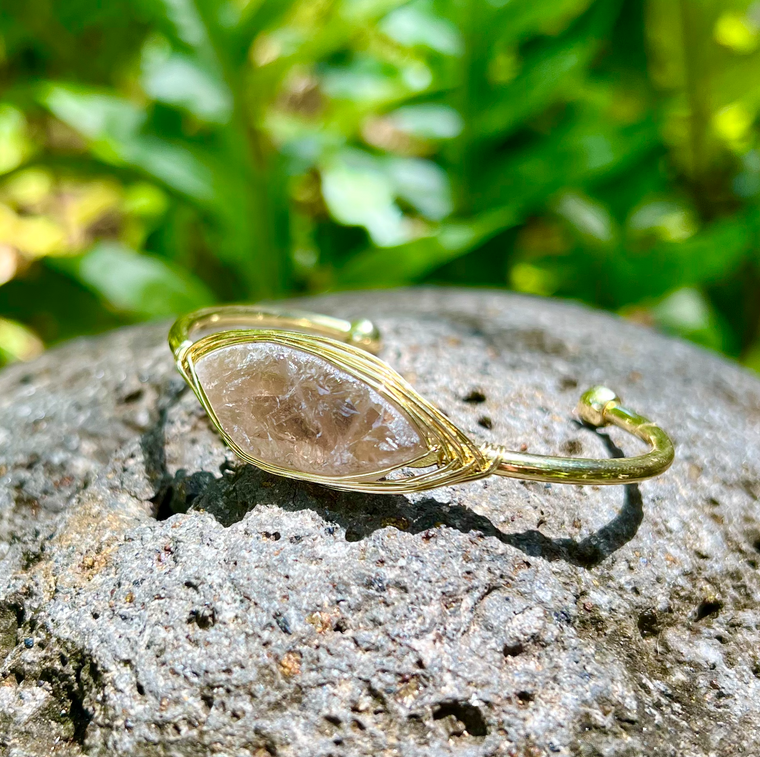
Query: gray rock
[{"x": 159, "y": 598}]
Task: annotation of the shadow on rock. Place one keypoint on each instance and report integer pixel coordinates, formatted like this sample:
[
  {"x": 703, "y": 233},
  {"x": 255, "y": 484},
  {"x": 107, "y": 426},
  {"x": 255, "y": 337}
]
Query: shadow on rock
[{"x": 230, "y": 498}]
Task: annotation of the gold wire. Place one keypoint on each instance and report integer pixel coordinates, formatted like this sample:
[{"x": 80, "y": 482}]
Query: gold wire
[{"x": 452, "y": 456}]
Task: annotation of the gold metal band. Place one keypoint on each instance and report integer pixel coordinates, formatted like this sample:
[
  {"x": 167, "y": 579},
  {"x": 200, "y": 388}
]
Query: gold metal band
[
  {"x": 598, "y": 407},
  {"x": 191, "y": 327},
  {"x": 453, "y": 457}
]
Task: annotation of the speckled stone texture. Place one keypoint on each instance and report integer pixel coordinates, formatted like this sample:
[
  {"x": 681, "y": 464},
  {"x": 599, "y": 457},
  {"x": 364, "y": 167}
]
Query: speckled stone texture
[{"x": 159, "y": 598}]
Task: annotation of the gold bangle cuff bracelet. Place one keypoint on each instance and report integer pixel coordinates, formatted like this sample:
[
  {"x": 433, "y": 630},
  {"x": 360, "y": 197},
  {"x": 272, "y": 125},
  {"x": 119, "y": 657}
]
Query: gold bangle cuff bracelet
[{"x": 303, "y": 395}]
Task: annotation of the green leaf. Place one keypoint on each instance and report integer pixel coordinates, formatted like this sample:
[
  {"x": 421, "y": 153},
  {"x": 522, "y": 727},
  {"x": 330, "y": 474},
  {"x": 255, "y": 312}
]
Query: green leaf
[
  {"x": 138, "y": 284},
  {"x": 586, "y": 150},
  {"x": 547, "y": 74},
  {"x": 14, "y": 144},
  {"x": 689, "y": 314},
  {"x": 407, "y": 263},
  {"x": 516, "y": 19},
  {"x": 258, "y": 16},
  {"x": 427, "y": 120},
  {"x": 178, "y": 167},
  {"x": 180, "y": 80},
  {"x": 417, "y": 24},
  {"x": 590, "y": 220},
  {"x": 667, "y": 219},
  {"x": 98, "y": 115},
  {"x": 184, "y": 20},
  {"x": 422, "y": 184},
  {"x": 361, "y": 190},
  {"x": 543, "y": 78},
  {"x": 705, "y": 257},
  {"x": 17, "y": 342},
  {"x": 365, "y": 82},
  {"x": 113, "y": 126},
  {"x": 359, "y": 193}
]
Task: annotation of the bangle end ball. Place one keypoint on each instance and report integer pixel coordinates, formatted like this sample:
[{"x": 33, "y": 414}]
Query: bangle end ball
[{"x": 594, "y": 402}]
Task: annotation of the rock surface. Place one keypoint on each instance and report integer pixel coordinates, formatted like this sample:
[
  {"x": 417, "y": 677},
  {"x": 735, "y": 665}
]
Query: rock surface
[
  {"x": 297, "y": 411},
  {"x": 159, "y": 598}
]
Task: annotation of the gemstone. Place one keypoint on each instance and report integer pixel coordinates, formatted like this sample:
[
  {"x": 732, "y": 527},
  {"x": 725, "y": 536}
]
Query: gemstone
[{"x": 300, "y": 412}]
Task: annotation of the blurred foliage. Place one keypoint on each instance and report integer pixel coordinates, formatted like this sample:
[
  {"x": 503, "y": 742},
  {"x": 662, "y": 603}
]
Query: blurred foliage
[{"x": 157, "y": 155}]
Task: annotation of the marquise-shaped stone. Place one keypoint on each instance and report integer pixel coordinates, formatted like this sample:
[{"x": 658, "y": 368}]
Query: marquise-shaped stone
[{"x": 297, "y": 411}]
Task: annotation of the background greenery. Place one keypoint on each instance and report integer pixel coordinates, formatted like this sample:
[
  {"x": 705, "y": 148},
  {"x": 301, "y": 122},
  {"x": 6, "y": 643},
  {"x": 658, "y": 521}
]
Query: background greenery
[{"x": 157, "y": 155}]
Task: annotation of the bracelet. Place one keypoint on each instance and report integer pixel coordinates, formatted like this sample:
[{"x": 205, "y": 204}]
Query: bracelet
[{"x": 303, "y": 395}]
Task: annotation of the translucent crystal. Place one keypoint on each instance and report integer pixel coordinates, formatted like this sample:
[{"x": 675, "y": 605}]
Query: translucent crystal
[{"x": 297, "y": 411}]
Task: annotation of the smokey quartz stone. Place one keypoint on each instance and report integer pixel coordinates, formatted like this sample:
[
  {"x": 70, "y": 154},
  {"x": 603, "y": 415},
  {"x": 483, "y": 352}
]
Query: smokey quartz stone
[{"x": 300, "y": 412}]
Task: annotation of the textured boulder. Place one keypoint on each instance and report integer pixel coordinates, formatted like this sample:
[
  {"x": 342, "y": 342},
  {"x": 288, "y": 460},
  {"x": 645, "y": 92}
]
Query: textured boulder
[{"x": 159, "y": 598}]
